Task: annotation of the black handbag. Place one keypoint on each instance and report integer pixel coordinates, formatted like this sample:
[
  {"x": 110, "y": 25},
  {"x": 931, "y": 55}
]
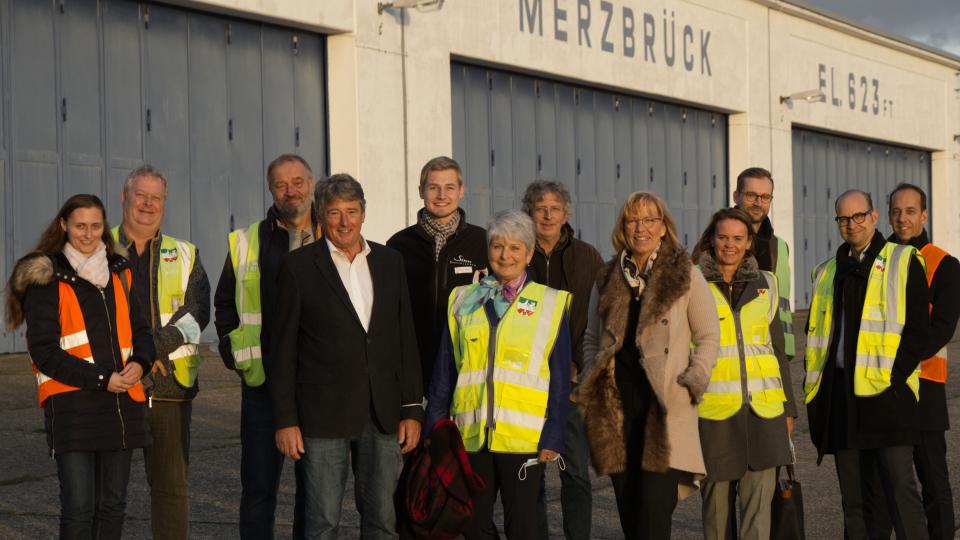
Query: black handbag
[{"x": 786, "y": 519}]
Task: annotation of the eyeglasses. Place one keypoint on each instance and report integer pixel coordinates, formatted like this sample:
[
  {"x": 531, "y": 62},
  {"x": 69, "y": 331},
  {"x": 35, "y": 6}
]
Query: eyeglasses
[
  {"x": 857, "y": 218},
  {"x": 749, "y": 197},
  {"x": 647, "y": 221}
]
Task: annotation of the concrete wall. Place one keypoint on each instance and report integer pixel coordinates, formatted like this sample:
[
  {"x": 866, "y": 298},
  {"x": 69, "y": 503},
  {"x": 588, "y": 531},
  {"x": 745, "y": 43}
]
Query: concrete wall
[{"x": 390, "y": 102}]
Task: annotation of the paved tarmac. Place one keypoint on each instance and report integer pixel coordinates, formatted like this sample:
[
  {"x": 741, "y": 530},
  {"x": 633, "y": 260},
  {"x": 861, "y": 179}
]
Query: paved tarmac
[{"x": 29, "y": 507}]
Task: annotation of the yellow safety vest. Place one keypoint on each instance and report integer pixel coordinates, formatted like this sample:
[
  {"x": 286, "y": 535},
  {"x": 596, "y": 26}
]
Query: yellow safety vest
[
  {"x": 782, "y": 271},
  {"x": 173, "y": 273},
  {"x": 881, "y": 324},
  {"x": 745, "y": 339},
  {"x": 519, "y": 373},
  {"x": 245, "y": 339}
]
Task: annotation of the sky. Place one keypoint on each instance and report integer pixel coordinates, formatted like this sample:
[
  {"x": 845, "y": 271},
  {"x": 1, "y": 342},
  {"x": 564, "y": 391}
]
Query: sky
[{"x": 931, "y": 22}]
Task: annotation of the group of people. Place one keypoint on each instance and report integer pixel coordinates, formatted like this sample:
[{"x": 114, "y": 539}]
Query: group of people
[{"x": 668, "y": 371}]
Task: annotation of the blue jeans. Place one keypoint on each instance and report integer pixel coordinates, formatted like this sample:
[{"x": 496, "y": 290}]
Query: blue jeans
[
  {"x": 260, "y": 467},
  {"x": 93, "y": 493},
  {"x": 326, "y": 462}
]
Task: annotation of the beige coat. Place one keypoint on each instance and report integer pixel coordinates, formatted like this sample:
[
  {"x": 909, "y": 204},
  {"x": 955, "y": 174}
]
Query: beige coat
[{"x": 677, "y": 310}]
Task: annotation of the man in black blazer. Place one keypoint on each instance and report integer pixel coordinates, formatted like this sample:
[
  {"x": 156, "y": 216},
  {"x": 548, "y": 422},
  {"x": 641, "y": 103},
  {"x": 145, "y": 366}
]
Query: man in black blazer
[{"x": 345, "y": 375}]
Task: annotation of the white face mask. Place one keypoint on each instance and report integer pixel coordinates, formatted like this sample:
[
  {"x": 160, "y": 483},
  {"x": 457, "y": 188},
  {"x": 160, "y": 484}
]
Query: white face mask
[{"x": 533, "y": 462}]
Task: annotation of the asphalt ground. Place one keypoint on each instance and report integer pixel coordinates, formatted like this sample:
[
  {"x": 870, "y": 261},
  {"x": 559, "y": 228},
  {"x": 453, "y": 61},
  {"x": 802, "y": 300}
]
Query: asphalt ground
[{"x": 29, "y": 505}]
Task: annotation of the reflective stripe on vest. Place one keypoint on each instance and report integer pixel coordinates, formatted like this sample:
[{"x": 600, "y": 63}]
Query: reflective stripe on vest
[
  {"x": 245, "y": 339},
  {"x": 934, "y": 368},
  {"x": 176, "y": 264},
  {"x": 75, "y": 341},
  {"x": 745, "y": 342},
  {"x": 782, "y": 272},
  {"x": 881, "y": 324},
  {"x": 520, "y": 372}
]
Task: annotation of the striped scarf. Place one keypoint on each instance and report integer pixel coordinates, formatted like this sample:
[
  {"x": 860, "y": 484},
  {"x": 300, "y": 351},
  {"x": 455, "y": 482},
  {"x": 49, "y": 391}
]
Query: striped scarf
[{"x": 441, "y": 232}]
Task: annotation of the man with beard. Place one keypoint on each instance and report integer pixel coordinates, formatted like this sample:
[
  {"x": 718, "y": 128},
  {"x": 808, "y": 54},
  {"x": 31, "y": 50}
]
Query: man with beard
[
  {"x": 244, "y": 328},
  {"x": 753, "y": 195},
  {"x": 440, "y": 252},
  {"x": 169, "y": 278}
]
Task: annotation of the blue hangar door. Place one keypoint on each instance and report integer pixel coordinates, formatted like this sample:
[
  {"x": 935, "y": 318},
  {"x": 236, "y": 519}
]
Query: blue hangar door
[
  {"x": 824, "y": 166},
  {"x": 92, "y": 89},
  {"x": 511, "y": 129}
]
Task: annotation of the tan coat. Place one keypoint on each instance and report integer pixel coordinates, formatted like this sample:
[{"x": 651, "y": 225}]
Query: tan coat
[{"x": 677, "y": 311}]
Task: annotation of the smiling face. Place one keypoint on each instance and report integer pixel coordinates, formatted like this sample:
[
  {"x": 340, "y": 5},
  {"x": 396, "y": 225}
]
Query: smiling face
[
  {"x": 508, "y": 258},
  {"x": 643, "y": 230},
  {"x": 751, "y": 199},
  {"x": 292, "y": 189},
  {"x": 730, "y": 242},
  {"x": 144, "y": 203},
  {"x": 549, "y": 216},
  {"x": 441, "y": 193},
  {"x": 906, "y": 217},
  {"x": 858, "y": 235},
  {"x": 342, "y": 221},
  {"x": 84, "y": 228}
]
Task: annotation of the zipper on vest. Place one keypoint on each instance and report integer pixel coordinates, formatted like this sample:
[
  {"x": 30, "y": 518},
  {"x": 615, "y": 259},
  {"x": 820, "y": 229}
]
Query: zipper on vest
[
  {"x": 123, "y": 430},
  {"x": 744, "y": 393}
]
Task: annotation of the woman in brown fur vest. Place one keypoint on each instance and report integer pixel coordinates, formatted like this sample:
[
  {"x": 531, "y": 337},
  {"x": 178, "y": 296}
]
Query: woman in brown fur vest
[{"x": 640, "y": 396}]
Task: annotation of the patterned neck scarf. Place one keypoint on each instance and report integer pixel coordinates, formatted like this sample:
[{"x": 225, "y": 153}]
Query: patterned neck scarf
[
  {"x": 490, "y": 289},
  {"x": 93, "y": 268},
  {"x": 441, "y": 232},
  {"x": 631, "y": 271}
]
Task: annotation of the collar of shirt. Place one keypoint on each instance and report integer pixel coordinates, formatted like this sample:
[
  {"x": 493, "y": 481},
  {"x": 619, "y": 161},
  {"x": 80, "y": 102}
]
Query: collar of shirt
[{"x": 356, "y": 279}]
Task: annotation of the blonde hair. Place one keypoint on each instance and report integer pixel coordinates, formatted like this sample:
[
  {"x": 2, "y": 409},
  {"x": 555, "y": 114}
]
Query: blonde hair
[{"x": 632, "y": 208}]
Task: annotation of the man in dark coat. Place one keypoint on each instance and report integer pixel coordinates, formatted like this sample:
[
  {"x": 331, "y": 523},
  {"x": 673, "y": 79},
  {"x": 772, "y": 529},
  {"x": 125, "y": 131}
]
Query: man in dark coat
[
  {"x": 908, "y": 218},
  {"x": 564, "y": 262},
  {"x": 441, "y": 251},
  {"x": 345, "y": 374},
  {"x": 862, "y": 430}
]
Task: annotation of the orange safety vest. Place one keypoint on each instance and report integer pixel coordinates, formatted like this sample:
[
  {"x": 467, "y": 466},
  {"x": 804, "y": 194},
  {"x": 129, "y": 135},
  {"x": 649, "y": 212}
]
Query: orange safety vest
[
  {"x": 74, "y": 339},
  {"x": 935, "y": 368}
]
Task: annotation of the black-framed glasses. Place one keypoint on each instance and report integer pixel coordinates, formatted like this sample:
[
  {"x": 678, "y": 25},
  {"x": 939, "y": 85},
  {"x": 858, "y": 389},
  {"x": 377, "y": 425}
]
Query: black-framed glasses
[
  {"x": 750, "y": 197},
  {"x": 857, "y": 218},
  {"x": 646, "y": 222}
]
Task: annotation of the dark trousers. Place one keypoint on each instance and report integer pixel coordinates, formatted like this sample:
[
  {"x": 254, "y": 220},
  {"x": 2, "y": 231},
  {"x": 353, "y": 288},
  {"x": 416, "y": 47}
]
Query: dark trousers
[
  {"x": 93, "y": 494},
  {"x": 519, "y": 497},
  {"x": 930, "y": 458},
  {"x": 166, "y": 463},
  {"x": 576, "y": 492},
  {"x": 862, "y": 513},
  {"x": 260, "y": 467},
  {"x": 646, "y": 501}
]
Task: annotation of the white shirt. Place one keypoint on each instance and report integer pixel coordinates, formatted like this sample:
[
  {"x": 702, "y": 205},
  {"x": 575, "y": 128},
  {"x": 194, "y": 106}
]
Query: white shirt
[{"x": 356, "y": 279}]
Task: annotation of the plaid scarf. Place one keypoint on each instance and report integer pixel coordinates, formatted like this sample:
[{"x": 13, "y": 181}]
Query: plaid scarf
[
  {"x": 631, "y": 272},
  {"x": 441, "y": 232}
]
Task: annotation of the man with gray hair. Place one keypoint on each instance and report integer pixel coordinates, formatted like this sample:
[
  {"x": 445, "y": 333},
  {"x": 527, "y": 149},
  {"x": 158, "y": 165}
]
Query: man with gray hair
[
  {"x": 167, "y": 276},
  {"x": 245, "y": 329},
  {"x": 564, "y": 262},
  {"x": 345, "y": 376}
]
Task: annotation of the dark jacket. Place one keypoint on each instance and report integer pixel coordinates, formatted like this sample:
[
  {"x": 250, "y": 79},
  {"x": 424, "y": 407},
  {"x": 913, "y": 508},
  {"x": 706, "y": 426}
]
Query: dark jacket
[
  {"x": 166, "y": 339},
  {"x": 445, "y": 375},
  {"x": 92, "y": 418},
  {"x": 572, "y": 266},
  {"x": 462, "y": 261},
  {"x": 838, "y": 419},
  {"x": 746, "y": 441},
  {"x": 274, "y": 244},
  {"x": 327, "y": 371},
  {"x": 945, "y": 302}
]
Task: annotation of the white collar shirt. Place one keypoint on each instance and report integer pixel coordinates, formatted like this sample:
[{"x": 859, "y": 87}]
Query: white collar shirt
[{"x": 356, "y": 279}]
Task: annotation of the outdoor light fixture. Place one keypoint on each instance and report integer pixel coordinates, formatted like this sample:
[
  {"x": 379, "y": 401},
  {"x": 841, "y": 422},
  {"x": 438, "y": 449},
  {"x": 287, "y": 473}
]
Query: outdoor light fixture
[
  {"x": 810, "y": 96},
  {"x": 421, "y": 5}
]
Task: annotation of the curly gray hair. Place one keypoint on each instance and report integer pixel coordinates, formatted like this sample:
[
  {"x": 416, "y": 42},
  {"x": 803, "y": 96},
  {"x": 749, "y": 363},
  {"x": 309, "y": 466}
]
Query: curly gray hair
[{"x": 514, "y": 225}]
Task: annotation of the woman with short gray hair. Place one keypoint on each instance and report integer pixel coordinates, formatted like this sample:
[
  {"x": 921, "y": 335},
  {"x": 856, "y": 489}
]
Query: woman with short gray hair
[{"x": 510, "y": 404}]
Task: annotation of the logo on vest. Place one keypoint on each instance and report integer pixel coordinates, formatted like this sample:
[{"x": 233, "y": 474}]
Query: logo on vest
[
  {"x": 881, "y": 263},
  {"x": 762, "y": 292},
  {"x": 526, "y": 306},
  {"x": 168, "y": 254}
]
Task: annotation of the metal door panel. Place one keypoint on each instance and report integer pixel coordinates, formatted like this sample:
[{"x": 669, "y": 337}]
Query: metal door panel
[
  {"x": 641, "y": 147},
  {"x": 566, "y": 140},
  {"x": 586, "y": 163},
  {"x": 657, "y": 138},
  {"x": 501, "y": 142},
  {"x": 623, "y": 150},
  {"x": 245, "y": 127},
  {"x": 546, "y": 122},
  {"x": 167, "y": 138},
  {"x": 279, "y": 111},
  {"x": 458, "y": 115},
  {"x": 310, "y": 130},
  {"x": 33, "y": 89},
  {"x": 477, "y": 162},
  {"x": 524, "y": 133},
  {"x": 605, "y": 167}
]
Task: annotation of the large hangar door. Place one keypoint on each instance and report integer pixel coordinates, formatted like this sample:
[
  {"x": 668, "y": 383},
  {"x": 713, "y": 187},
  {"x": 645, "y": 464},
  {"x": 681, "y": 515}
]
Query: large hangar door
[
  {"x": 511, "y": 129},
  {"x": 825, "y": 166},
  {"x": 93, "y": 88}
]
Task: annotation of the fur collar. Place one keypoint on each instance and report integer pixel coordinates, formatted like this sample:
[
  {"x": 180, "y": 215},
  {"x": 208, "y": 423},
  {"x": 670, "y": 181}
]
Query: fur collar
[
  {"x": 33, "y": 269},
  {"x": 749, "y": 269}
]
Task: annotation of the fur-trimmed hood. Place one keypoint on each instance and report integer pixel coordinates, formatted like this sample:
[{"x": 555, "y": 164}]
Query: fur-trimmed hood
[{"x": 748, "y": 271}]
